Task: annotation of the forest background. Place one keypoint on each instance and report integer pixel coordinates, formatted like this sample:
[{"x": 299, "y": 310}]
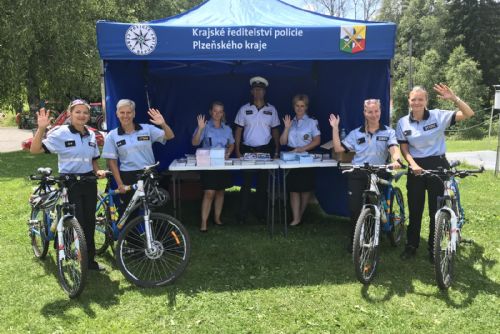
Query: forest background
[{"x": 48, "y": 47}]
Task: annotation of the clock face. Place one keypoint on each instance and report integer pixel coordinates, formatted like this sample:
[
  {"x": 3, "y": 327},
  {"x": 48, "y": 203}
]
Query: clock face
[{"x": 140, "y": 39}]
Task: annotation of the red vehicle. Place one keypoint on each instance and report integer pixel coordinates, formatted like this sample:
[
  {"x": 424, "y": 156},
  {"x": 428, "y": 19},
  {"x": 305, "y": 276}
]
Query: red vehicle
[{"x": 63, "y": 118}]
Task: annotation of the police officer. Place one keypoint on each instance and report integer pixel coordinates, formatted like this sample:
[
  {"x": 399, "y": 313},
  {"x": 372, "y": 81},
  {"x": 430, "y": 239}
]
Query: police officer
[
  {"x": 132, "y": 144},
  {"x": 257, "y": 122},
  {"x": 77, "y": 154},
  {"x": 214, "y": 133},
  {"x": 422, "y": 139},
  {"x": 372, "y": 143},
  {"x": 301, "y": 135}
]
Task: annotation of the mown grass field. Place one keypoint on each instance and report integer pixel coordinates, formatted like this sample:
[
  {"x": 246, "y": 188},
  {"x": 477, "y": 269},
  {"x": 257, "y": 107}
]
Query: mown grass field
[{"x": 240, "y": 280}]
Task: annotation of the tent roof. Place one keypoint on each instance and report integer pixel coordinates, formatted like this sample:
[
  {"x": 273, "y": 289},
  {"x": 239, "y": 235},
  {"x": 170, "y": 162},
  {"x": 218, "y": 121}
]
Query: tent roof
[
  {"x": 259, "y": 13},
  {"x": 246, "y": 30}
]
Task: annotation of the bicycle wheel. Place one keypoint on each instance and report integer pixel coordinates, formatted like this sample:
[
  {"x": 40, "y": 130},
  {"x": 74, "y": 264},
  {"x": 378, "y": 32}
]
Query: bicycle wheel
[
  {"x": 72, "y": 269},
  {"x": 164, "y": 262},
  {"x": 397, "y": 217},
  {"x": 103, "y": 236},
  {"x": 39, "y": 233},
  {"x": 365, "y": 247},
  {"x": 443, "y": 256}
]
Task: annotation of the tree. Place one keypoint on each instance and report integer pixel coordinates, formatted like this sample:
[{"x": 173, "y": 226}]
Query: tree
[
  {"x": 465, "y": 78},
  {"x": 345, "y": 8},
  {"x": 475, "y": 25},
  {"x": 48, "y": 48}
]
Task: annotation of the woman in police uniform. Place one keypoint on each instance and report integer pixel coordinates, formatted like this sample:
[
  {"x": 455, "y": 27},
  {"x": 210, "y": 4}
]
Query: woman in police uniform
[
  {"x": 372, "y": 143},
  {"x": 301, "y": 134},
  {"x": 214, "y": 133},
  {"x": 132, "y": 144},
  {"x": 77, "y": 154},
  {"x": 422, "y": 139}
]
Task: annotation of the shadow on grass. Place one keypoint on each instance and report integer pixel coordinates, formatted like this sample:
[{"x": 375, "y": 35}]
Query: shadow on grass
[
  {"x": 99, "y": 289},
  {"x": 397, "y": 277}
]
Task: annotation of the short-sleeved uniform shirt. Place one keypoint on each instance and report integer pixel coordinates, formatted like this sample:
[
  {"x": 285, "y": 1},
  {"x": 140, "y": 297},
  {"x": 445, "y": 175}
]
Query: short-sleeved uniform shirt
[
  {"x": 302, "y": 131},
  {"x": 257, "y": 123},
  {"x": 212, "y": 136},
  {"x": 425, "y": 138},
  {"x": 372, "y": 148},
  {"x": 75, "y": 151},
  {"x": 134, "y": 150}
]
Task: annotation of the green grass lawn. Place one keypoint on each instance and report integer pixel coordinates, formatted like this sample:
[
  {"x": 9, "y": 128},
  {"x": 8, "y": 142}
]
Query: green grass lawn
[
  {"x": 455, "y": 145},
  {"x": 240, "y": 280}
]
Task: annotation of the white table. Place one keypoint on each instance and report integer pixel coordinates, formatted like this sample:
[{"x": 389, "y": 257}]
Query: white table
[
  {"x": 287, "y": 166},
  {"x": 271, "y": 166}
]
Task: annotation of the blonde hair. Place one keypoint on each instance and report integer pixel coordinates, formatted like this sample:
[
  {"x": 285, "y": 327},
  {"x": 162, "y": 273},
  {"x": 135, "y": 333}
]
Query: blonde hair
[
  {"x": 421, "y": 90},
  {"x": 301, "y": 97},
  {"x": 220, "y": 104}
]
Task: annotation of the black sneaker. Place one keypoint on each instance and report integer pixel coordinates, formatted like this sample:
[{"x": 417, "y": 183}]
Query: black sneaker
[
  {"x": 96, "y": 266},
  {"x": 409, "y": 253}
]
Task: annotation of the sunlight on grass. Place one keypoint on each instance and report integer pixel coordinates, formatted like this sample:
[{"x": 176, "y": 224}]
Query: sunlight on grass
[{"x": 240, "y": 280}]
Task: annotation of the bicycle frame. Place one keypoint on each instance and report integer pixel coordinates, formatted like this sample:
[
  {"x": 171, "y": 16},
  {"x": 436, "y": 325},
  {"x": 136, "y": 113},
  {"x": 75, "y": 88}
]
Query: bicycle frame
[{"x": 139, "y": 199}]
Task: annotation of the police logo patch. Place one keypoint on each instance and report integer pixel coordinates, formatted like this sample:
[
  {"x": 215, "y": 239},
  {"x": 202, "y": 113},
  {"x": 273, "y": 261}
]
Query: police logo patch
[
  {"x": 306, "y": 136},
  {"x": 361, "y": 140},
  {"x": 407, "y": 133},
  {"x": 120, "y": 143},
  {"x": 91, "y": 144},
  {"x": 267, "y": 112},
  {"x": 430, "y": 126},
  {"x": 249, "y": 112},
  {"x": 70, "y": 143},
  {"x": 143, "y": 138},
  {"x": 382, "y": 138}
]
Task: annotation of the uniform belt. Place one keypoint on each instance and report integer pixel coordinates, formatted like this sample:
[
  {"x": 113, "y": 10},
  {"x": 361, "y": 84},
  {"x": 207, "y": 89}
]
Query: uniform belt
[
  {"x": 78, "y": 174},
  {"x": 253, "y": 149}
]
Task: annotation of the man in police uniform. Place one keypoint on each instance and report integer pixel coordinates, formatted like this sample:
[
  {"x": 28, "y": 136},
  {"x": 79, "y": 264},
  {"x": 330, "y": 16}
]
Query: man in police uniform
[{"x": 257, "y": 122}]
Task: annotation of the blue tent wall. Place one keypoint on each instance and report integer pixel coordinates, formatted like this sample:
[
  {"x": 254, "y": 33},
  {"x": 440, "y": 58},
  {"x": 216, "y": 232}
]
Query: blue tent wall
[{"x": 182, "y": 88}]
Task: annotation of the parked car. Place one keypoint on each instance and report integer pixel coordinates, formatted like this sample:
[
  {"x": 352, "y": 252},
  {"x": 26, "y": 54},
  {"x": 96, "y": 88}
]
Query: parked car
[
  {"x": 62, "y": 119},
  {"x": 96, "y": 117}
]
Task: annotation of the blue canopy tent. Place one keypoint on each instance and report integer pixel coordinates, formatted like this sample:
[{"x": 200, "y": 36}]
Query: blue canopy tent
[{"x": 182, "y": 63}]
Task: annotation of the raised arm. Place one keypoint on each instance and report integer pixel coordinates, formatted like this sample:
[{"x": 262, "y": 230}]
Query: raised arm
[
  {"x": 157, "y": 119},
  {"x": 334, "y": 123},
  {"x": 464, "y": 111},
  {"x": 287, "y": 120},
  {"x": 201, "y": 125},
  {"x": 43, "y": 122}
]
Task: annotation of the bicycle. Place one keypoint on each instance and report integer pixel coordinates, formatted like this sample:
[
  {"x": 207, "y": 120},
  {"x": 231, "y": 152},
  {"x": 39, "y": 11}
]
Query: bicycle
[
  {"x": 450, "y": 218},
  {"x": 52, "y": 218},
  {"x": 152, "y": 249},
  {"x": 381, "y": 211}
]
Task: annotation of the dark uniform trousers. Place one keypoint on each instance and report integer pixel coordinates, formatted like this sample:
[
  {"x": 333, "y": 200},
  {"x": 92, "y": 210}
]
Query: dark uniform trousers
[
  {"x": 416, "y": 186},
  {"x": 357, "y": 183},
  {"x": 83, "y": 194},
  {"x": 261, "y": 185},
  {"x": 128, "y": 178}
]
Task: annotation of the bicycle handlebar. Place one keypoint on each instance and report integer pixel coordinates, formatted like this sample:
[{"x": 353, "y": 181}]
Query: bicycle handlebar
[{"x": 453, "y": 172}]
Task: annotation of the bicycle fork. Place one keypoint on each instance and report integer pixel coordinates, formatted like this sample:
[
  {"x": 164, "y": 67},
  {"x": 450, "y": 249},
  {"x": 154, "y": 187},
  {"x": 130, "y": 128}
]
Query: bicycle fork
[
  {"x": 376, "y": 209},
  {"x": 454, "y": 230}
]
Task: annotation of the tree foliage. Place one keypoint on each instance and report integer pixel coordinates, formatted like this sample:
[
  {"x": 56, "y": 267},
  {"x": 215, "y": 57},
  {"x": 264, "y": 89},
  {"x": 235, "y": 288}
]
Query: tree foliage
[{"x": 48, "y": 47}]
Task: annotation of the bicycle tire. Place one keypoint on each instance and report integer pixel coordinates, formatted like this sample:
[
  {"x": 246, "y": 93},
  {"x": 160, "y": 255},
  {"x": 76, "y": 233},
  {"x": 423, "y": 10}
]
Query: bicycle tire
[
  {"x": 103, "y": 236},
  {"x": 39, "y": 234},
  {"x": 365, "y": 252},
  {"x": 443, "y": 257},
  {"x": 168, "y": 259},
  {"x": 72, "y": 270},
  {"x": 397, "y": 217}
]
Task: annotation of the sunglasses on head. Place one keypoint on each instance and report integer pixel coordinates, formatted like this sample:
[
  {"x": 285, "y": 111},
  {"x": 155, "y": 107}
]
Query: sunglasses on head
[{"x": 371, "y": 101}]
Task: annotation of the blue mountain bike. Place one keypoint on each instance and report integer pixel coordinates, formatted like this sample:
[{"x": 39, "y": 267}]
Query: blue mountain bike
[
  {"x": 383, "y": 210},
  {"x": 450, "y": 219},
  {"x": 52, "y": 218},
  {"x": 152, "y": 249}
]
